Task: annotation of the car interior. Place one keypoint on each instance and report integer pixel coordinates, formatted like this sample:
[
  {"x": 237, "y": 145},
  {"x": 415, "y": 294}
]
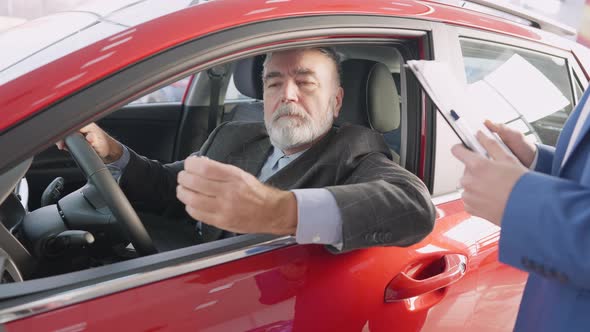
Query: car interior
[{"x": 62, "y": 229}]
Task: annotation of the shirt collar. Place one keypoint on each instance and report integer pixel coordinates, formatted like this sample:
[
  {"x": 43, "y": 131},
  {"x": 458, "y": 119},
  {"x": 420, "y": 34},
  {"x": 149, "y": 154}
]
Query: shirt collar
[{"x": 278, "y": 154}]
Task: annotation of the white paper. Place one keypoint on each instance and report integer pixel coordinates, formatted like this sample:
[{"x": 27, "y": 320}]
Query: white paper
[
  {"x": 531, "y": 93},
  {"x": 485, "y": 103},
  {"x": 448, "y": 94}
]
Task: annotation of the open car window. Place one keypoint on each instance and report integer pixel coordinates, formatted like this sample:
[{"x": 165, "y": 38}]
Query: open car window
[{"x": 172, "y": 93}]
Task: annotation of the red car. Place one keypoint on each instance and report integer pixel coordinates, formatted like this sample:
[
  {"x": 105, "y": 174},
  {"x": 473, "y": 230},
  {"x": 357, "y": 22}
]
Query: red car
[{"x": 61, "y": 72}]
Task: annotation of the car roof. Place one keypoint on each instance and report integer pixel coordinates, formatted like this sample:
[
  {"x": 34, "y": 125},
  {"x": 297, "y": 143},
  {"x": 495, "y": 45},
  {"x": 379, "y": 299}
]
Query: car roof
[
  {"x": 99, "y": 40},
  {"x": 7, "y": 22}
]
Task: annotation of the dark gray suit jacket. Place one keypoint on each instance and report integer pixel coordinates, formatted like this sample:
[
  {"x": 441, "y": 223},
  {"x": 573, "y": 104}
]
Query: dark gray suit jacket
[{"x": 380, "y": 202}]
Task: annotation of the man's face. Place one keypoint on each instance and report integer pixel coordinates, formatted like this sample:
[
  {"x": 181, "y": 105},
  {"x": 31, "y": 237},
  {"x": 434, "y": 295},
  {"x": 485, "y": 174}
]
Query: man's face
[{"x": 302, "y": 97}]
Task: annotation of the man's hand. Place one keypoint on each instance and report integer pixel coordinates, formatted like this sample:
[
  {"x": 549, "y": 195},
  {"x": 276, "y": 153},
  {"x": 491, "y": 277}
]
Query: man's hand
[
  {"x": 231, "y": 199},
  {"x": 488, "y": 183},
  {"x": 107, "y": 148},
  {"x": 516, "y": 142}
]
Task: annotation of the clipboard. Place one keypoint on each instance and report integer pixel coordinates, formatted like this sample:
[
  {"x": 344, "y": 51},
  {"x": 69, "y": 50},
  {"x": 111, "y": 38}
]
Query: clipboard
[{"x": 448, "y": 95}]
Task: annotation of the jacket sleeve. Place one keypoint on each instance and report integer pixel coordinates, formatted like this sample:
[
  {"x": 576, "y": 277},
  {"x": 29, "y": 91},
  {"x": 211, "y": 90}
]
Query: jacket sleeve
[
  {"x": 383, "y": 204},
  {"x": 546, "y": 228},
  {"x": 150, "y": 185},
  {"x": 545, "y": 155}
]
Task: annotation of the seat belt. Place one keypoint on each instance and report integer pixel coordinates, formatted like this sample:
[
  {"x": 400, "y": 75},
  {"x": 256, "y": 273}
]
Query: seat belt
[{"x": 216, "y": 75}]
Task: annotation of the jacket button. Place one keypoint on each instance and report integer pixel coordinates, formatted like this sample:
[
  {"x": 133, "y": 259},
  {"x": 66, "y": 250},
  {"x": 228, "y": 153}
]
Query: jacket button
[
  {"x": 388, "y": 237},
  {"x": 541, "y": 270},
  {"x": 525, "y": 262},
  {"x": 533, "y": 265},
  {"x": 562, "y": 278}
]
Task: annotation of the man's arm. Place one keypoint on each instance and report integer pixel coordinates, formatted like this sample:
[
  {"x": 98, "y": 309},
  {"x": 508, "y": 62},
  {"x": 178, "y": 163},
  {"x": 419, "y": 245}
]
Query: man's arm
[
  {"x": 380, "y": 202},
  {"x": 318, "y": 218},
  {"x": 383, "y": 204},
  {"x": 543, "y": 159},
  {"x": 149, "y": 183},
  {"x": 545, "y": 228},
  {"x": 118, "y": 166},
  {"x": 153, "y": 184},
  {"x": 545, "y": 219}
]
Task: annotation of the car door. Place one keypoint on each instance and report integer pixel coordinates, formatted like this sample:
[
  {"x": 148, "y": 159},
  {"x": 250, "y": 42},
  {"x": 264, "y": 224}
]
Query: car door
[{"x": 262, "y": 283}]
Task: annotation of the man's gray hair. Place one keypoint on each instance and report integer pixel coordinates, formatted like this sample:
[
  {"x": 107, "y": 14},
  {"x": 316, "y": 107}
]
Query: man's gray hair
[{"x": 327, "y": 51}]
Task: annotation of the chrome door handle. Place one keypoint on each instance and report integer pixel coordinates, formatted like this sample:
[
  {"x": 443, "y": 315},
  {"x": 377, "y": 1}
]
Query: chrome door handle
[{"x": 404, "y": 286}]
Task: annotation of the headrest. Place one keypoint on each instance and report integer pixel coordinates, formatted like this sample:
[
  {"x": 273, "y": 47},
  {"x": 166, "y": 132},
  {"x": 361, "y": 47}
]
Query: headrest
[
  {"x": 370, "y": 93},
  {"x": 370, "y": 96},
  {"x": 248, "y": 76}
]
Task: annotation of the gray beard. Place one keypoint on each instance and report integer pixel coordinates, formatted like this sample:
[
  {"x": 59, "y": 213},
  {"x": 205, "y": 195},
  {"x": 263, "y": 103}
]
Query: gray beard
[{"x": 288, "y": 133}]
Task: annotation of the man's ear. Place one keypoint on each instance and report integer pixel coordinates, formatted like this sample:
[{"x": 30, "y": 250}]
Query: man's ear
[{"x": 338, "y": 101}]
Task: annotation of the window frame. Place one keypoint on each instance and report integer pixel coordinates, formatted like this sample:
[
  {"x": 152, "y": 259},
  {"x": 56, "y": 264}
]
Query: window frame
[{"x": 139, "y": 102}]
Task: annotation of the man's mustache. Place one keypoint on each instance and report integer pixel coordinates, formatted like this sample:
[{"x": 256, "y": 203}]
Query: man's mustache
[{"x": 288, "y": 110}]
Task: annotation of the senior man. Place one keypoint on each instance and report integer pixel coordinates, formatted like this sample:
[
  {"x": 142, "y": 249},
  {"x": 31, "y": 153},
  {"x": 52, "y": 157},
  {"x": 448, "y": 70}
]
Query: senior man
[{"x": 294, "y": 174}]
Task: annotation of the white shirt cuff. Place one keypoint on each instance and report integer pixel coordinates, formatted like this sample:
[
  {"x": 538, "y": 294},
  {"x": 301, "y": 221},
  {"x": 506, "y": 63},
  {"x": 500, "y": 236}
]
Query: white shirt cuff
[
  {"x": 118, "y": 166},
  {"x": 319, "y": 220}
]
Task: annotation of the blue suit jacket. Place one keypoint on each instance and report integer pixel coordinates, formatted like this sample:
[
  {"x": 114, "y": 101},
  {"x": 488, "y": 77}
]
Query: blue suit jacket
[{"x": 546, "y": 232}]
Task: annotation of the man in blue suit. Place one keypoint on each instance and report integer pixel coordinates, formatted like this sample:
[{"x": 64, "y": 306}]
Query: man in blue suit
[{"x": 544, "y": 214}]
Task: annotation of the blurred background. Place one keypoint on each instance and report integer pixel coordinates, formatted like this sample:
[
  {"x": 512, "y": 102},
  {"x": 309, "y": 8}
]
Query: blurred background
[
  {"x": 574, "y": 13},
  {"x": 30, "y": 9},
  {"x": 566, "y": 11}
]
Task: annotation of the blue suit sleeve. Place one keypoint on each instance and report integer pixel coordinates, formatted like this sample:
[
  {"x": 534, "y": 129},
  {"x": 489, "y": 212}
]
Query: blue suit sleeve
[
  {"x": 546, "y": 229},
  {"x": 544, "y": 158},
  {"x": 318, "y": 219}
]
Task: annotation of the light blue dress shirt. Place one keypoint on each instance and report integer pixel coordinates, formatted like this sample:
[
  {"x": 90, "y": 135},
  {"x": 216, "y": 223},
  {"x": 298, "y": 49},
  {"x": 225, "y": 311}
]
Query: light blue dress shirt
[{"x": 318, "y": 217}]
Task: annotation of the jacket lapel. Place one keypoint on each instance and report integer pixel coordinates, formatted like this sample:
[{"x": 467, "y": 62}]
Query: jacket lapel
[
  {"x": 288, "y": 176},
  {"x": 252, "y": 157},
  {"x": 566, "y": 134}
]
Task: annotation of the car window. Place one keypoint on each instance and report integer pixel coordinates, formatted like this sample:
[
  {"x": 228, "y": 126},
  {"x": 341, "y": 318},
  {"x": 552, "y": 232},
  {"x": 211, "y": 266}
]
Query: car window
[
  {"x": 172, "y": 93},
  {"x": 482, "y": 58}
]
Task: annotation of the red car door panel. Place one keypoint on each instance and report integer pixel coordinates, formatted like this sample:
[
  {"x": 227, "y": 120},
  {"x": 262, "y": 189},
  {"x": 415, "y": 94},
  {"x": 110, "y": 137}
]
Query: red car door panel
[{"x": 306, "y": 288}]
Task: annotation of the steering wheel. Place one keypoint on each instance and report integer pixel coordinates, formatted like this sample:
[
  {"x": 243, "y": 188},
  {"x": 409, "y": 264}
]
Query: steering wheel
[
  {"x": 100, "y": 177},
  {"x": 9, "y": 272}
]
